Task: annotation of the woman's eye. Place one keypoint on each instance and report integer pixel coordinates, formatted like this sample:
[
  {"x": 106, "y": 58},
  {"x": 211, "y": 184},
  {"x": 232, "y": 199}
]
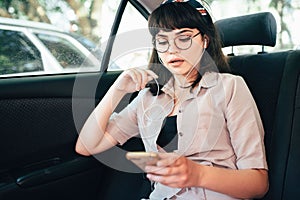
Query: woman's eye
[
  {"x": 162, "y": 41},
  {"x": 184, "y": 38}
]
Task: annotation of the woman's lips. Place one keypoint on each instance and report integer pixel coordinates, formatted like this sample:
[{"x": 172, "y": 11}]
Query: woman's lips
[{"x": 176, "y": 62}]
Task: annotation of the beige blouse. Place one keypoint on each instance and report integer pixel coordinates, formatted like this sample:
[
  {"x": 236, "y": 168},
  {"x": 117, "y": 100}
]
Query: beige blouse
[{"x": 218, "y": 124}]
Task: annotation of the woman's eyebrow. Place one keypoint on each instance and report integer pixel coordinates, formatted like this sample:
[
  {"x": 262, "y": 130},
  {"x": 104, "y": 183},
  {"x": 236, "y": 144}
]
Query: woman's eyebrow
[
  {"x": 177, "y": 33},
  {"x": 161, "y": 35},
  {"x": 183, "y": 31}
]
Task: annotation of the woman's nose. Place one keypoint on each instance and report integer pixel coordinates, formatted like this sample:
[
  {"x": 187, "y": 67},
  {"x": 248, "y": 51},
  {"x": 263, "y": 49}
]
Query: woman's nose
[{"x": 172, "y": 47}]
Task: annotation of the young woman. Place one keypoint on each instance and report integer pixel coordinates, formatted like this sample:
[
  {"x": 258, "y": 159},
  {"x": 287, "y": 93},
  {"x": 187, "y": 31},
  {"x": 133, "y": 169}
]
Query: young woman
[{"x": 202, "y": 120}]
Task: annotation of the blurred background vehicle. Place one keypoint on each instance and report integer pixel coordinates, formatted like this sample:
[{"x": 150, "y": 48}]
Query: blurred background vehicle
[{"x": 27, "y": 46}]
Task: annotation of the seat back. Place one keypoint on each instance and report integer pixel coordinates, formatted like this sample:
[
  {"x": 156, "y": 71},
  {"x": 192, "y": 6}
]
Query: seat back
[{"x": 273, "y": 80}]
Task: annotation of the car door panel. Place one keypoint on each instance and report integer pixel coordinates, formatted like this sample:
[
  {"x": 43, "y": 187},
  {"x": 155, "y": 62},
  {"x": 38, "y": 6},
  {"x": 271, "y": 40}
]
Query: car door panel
[{"x": 39, "y": 131}]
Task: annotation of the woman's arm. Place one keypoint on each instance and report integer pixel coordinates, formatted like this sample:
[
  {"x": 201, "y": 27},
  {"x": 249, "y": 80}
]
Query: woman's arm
[
  {"x": 244, "y": 183},
  {"x": 93, "y": 137},
  {"x": 180, "y": 172}
]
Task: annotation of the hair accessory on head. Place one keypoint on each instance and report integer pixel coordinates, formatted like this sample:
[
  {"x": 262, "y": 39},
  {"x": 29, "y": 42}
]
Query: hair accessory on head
[{"x": 197, "y": 5}]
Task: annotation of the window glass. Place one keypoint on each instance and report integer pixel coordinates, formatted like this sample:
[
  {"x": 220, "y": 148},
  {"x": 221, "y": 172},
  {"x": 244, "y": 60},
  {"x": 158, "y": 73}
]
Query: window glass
[
  {"x": 65, "y": 52},
  {"x": 132, "y": 46},
  {"x": 86, "y": 22},
  {"x": 89, "y": 22},
  {"x": 286, "y": 14},
  {"x": 18, "y": 54}
]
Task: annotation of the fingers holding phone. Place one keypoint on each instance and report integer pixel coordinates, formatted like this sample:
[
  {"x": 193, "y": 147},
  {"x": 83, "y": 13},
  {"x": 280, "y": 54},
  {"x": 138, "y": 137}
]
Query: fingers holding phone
[
  {"x": 152, "y": 159},
  {"x": 174, "y": 171},
  {"x": 143, "y": 159},
  {"x": 134, "y": 79}
]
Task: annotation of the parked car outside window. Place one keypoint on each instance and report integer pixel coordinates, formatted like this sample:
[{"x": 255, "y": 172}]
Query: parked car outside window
[
  {"x": 18, "y": 53},
  {"x": 29, "y": 48}
]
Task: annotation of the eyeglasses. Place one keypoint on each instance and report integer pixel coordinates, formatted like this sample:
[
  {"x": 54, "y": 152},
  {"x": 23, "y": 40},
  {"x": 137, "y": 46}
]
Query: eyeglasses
[{"x": 182, "y": 42}]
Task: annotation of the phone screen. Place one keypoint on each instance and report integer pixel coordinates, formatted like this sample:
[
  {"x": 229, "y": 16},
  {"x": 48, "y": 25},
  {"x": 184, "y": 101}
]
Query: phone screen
[{"x": 141, "y": 159}]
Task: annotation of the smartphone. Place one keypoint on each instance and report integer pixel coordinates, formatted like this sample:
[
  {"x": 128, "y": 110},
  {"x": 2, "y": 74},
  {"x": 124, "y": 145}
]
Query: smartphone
[{"x": 141, "y": 159}]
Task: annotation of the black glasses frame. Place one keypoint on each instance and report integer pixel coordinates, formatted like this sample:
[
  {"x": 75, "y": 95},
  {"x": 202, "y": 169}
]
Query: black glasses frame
[{"x": 190, "y": 37}]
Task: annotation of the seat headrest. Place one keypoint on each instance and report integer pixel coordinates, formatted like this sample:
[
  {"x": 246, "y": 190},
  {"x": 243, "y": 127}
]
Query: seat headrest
[{"x": 254, "y": 29}]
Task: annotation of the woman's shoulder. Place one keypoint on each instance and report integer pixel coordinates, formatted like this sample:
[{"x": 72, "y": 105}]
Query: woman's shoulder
[
  {"x": 231, "y": 78},
  {"x": 230, "y": 82},
  {"x": 212, "y": 79}
]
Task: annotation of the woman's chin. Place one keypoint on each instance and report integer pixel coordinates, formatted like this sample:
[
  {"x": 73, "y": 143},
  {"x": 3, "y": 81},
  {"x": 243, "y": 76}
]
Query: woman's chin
[{"x": 179, "y": 70}]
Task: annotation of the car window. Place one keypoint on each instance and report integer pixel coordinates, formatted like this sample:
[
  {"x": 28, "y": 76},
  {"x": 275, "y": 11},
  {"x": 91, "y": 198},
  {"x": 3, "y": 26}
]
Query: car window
[
  {"x": 287, "y": 33},
  {"x": 286, "y": 13},
  {"x": 90, "y": 22},
  {"x": 132, "y": 47},
  {"x": 82, "y": 26},
  {"x": 18, "y": 54},
  {"x": 65, "y": 52}
]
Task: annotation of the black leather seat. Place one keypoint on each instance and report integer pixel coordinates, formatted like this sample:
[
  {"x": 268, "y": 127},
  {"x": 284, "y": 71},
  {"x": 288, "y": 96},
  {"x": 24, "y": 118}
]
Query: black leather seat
[{"x": 273, "y": 79}]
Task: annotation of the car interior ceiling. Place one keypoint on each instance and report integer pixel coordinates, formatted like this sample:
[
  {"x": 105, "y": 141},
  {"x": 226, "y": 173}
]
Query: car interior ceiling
[{"x": 38, "y": 111}]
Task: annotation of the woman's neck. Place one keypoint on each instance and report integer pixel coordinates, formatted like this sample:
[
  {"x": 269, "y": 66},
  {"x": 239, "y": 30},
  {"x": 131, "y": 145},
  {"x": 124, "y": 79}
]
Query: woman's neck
[{"x": 186, "y": 80}]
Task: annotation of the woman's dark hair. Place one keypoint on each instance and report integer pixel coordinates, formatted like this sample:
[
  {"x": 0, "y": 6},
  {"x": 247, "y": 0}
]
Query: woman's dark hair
[{"x": 179, "y": 15}]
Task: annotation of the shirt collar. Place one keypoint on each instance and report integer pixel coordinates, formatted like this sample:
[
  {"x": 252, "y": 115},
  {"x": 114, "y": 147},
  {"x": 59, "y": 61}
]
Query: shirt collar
[
  {"x": 208, "y": 80},
  {"x": 168, "y": 88}
]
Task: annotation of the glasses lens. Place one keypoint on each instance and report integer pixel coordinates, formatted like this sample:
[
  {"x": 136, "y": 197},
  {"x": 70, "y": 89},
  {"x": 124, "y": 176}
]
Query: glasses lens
[
  {"x": 183, "y": 42},
  {"x": 161, "y": 45}
]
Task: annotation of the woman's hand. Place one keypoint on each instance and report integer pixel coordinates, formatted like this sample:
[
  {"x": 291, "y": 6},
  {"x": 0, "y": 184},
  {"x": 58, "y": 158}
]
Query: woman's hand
[
  {"x": 177, "y": 171},
  {"x": 174, "y": 171},
  {"x": 134, "y": 79}
]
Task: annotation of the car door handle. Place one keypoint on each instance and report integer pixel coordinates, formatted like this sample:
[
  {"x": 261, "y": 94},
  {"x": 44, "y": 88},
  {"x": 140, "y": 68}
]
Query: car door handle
[{"x": 52, "y": 169}]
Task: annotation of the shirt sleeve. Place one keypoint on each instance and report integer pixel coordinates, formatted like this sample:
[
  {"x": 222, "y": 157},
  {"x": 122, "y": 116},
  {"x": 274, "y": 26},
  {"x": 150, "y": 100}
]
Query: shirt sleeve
[
  {"x": 245, "y": 127},
  {"x": 123, "y": 125}
]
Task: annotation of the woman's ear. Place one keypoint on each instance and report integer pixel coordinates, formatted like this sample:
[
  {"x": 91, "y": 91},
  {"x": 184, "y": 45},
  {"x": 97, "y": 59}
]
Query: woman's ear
[{"x": 205, "y": 41}]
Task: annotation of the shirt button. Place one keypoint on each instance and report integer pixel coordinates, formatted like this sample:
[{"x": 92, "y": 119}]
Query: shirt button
[
  {"x": 180, "y": 111},
  {"x": 180, "y": 134}
]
